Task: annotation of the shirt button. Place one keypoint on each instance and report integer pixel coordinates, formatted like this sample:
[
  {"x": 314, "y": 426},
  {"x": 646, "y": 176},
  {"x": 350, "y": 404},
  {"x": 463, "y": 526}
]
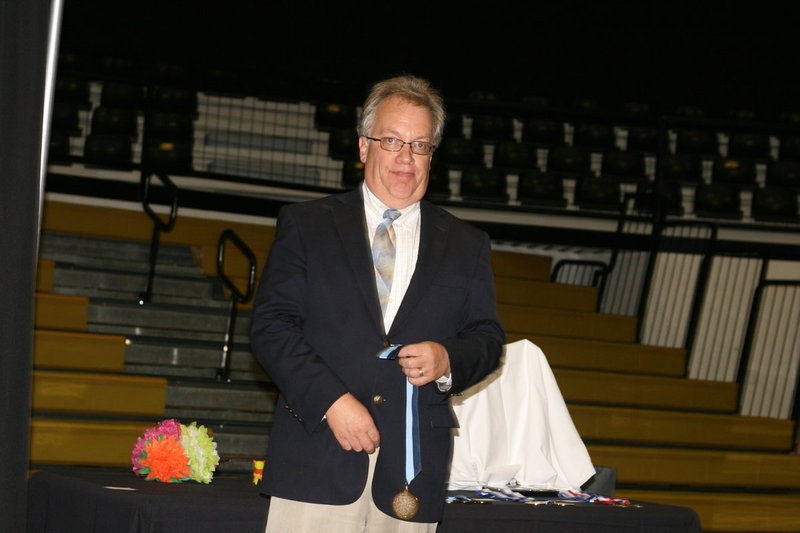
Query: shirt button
[{"x": 377, "y": 399}]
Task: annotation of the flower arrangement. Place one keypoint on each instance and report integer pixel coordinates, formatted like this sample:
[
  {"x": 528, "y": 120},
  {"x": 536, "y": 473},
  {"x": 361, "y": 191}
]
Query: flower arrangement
[{"x": 172, "y": 452}]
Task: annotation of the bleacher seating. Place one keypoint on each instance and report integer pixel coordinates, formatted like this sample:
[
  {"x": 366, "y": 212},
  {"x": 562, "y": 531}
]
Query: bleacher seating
[{"x": 645, "y": 405}]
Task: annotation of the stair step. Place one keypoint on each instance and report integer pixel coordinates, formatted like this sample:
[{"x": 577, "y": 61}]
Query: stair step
[
  {"x": 106, "y": 394},
  {"x": 609, "y": 388},
  {"x": 135, "y": 225},
  {"x": 253, "y": 445},
  {"x": 44, "y": 275},
  {"x": 193, "y": 322},
  {"x": 56, "y": 311},
  {"x": 533, "y": 321},
  {"x": 705, "y": 468},
  {"x": 78, "y": 351},
  {"x": 521, "y": 265},
  {"x": 176, "y": 359},
  {"x": 585, "y": 354},
  {"x": 221, "y": 398},
  {"x": 127, "y": 286},
  {"x": 517, "y": 291},
  {"x": 84, "y": 442},
  {"x": 598, "y": 424},
  {"x": 114, "y": 254},
  {"x": 731, "y": 512}
]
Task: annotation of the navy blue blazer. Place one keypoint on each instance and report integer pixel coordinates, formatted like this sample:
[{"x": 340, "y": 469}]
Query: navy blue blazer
[{"x": 316, "y": 330}]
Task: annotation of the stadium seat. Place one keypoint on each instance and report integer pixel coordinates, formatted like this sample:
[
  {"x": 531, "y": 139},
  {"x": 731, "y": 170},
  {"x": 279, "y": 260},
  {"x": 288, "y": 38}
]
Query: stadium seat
[
  {"x": 540, "y": 188},
  {"x": 717, "y": 200}
]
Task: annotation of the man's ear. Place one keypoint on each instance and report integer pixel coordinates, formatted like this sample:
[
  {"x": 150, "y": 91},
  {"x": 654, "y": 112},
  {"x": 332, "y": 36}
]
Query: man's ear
[{"x": 363, "y": 146}]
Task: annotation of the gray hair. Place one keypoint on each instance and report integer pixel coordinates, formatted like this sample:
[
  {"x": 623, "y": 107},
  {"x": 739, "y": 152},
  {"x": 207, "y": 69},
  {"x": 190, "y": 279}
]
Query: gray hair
[{"x": 414, "y": 90}]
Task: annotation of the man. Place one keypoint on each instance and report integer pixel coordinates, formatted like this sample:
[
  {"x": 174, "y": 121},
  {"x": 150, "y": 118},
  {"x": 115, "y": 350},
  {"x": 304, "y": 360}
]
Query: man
[{"x": 325, "y": 308}]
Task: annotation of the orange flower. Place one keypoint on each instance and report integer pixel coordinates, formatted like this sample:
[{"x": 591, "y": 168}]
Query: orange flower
[{"x": 166, "y": 460}]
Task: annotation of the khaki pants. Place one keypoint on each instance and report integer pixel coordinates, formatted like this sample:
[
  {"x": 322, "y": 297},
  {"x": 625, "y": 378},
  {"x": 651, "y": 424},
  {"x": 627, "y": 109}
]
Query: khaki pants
[{"x": 361, "y": 516}]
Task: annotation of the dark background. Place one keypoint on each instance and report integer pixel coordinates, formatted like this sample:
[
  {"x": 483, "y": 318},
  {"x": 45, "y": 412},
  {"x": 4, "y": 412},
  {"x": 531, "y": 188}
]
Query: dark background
[{"x": 717, "y": 54}]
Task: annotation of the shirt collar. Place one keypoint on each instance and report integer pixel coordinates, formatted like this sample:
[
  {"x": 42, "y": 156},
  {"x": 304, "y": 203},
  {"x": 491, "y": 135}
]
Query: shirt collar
[{"x": 375, "y": 208}]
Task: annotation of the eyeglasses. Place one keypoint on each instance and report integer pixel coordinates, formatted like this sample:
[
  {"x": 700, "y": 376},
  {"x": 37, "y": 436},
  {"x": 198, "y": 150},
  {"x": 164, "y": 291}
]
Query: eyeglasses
[{"x": 393, "y": 144}]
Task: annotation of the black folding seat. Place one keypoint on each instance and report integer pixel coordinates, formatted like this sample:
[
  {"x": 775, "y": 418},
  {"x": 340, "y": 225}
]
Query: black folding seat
[
  {"x": 489, "y": 128},
  {"x": 569, "y": 161},
  {"x": 775, "y": 204},
  {"x": 544, "y": 132},
  {"x": 670, "y": 193},
  {"x": 784, "y": 173},
  {"x": 115, "y": 121},
  {"x": 684, "y": 168},
  {"x": 483, "y": 184},
  {"x": 598, "y": 193},
  {"x": 343, "y": 144},
  {"x": 513, "y": 156},
  {"x": 535, "y": 187},
  {"x": 460, "y": 152},
  {"x": 331, "y": 116},
  {"x": 717, "y": 200},
  {"x": 698, "y": 141},
  {"x": 108, "y": 150},
  {"x": 750, "y": 145},
  {"x": 594, "y": 136},
  {"x": 736, "y": 170},
  {"x": 625, "y": 165},
  {"x": 643, "y": 139}
]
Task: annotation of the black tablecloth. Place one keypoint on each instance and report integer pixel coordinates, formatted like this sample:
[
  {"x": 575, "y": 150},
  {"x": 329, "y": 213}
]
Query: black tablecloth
[{"x": 98, "y": 502}]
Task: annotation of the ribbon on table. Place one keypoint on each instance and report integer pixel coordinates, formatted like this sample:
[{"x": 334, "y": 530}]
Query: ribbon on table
[{"x": 591, "y": 498}]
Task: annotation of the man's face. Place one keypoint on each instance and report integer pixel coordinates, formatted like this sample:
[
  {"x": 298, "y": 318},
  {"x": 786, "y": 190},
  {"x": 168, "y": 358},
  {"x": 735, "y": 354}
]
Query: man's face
[{"x": 398, "y": 179}]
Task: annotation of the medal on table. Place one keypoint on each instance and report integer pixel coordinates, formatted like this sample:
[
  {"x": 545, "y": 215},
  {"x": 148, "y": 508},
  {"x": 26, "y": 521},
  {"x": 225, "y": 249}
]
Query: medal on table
[{"x": 404, "y": 504}]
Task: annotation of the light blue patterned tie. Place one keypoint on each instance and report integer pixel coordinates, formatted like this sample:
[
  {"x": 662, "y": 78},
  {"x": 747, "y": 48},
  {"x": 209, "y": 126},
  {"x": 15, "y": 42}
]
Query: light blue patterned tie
[{"x": 383, "y": 256}]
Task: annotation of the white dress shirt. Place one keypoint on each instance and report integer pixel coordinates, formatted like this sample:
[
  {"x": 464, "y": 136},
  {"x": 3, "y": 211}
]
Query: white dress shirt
[{"x": 406, "y": 231}]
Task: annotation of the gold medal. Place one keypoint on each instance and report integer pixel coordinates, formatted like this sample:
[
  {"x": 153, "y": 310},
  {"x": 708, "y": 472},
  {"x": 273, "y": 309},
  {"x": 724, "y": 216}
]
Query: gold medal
[{"x": 405, "y": 505}]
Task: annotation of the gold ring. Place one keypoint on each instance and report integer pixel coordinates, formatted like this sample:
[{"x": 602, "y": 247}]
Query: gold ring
[{"x": 420, "y": 372}]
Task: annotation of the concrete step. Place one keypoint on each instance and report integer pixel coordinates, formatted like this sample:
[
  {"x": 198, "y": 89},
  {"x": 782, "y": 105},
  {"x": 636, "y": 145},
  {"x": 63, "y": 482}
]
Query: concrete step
[
  {"x": 521, "y": 265},
  {"x": 193, "y": 289},
  {"x": 530, "y": 322},
  {"x": 84, "y": 442},
  {"x": 221, "y": 400},
  {"x": 610, "y": 388},
  {"x": 730, "y": 512},
  {"x": 135, "y": 225},
  {"x": 652, "y": 427},
  {"x": 199, "y": 322},
  {"x": 624, "y": 357},
  {"x": 195, "y": 360},
  {"x": 700, "y": 468},
  {"x": 538, "y": 293},
  {"x": 113, "y": 254},
  {"x": 98, "y": 394},
  {"x": 78, "y": 351},
  {"x": 61, "y": 312}
]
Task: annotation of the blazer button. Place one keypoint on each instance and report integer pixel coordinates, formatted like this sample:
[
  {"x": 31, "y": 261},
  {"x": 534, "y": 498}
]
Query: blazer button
[
  {"x": 386, "y": 343},
  {"x": 377, "y": 399}
]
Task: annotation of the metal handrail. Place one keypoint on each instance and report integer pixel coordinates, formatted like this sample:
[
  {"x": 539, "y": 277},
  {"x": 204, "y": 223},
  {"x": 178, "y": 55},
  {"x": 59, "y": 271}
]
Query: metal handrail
[
  {"x": 237, "y": 296},
  {"x": 159, "y": 226}
]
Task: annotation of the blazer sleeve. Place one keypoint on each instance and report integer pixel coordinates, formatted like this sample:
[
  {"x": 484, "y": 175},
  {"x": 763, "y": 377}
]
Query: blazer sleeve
[
  {"x": 476, "y": 349},
  {"x": 277, "y": 338}
]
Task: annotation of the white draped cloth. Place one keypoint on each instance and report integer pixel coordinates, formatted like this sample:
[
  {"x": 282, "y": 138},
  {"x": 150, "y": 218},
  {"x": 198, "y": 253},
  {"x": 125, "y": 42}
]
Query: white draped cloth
[{"x": 515, "y": 429}]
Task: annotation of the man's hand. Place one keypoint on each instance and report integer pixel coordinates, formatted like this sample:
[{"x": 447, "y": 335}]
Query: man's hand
[
  {"x": 352, "y": 425},
  {"x": 424, "y": 362}
]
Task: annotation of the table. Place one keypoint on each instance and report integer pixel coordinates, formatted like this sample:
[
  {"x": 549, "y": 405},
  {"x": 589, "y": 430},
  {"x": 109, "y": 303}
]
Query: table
[{"x": 86, "y": 502}]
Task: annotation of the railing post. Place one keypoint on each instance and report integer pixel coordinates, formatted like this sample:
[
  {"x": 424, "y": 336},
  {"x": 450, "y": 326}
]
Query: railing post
[
  {"x": 159, "y": 226},
  {"x": 237, "y": 296}
]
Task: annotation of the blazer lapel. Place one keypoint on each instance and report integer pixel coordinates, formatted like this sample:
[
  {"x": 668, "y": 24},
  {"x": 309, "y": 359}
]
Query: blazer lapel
[
  {"x": 433, "y": 230},
  {"x": 348, "y": 218}
]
